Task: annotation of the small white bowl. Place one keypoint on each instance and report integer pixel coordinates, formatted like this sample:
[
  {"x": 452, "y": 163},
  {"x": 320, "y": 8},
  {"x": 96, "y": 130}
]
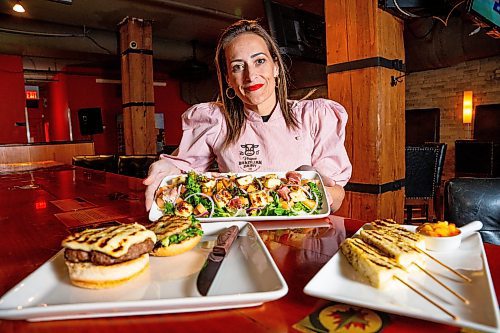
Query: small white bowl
[{"x": 442, "y": 244}]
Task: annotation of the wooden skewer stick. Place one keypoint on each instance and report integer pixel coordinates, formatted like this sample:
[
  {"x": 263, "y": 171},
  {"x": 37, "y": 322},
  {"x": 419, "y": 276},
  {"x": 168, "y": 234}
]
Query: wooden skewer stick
[
  {"x": 463, "y": 299},
  {"x": 426, "y": 298},
  {"x": 442, "y": 264}
]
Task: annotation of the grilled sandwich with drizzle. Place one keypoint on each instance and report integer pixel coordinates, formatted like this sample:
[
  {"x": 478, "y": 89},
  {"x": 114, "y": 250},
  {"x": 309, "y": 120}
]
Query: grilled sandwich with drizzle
[
  {"x": 176, "y": 235},
  {"x": 105, "y": 257}
]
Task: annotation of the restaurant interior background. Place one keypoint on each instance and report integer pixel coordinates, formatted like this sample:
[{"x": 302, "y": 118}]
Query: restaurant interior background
[{"x": 66, "y": 51}]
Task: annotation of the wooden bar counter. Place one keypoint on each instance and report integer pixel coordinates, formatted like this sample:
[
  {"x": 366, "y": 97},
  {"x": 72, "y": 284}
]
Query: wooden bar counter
[
  {"x": 31, "y": 235},
  {"x": 35, "y": 152}
]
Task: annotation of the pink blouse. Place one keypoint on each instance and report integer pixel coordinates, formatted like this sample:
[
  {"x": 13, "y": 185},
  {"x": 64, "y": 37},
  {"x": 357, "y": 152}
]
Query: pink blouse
[{"x": 268, "y": 146}]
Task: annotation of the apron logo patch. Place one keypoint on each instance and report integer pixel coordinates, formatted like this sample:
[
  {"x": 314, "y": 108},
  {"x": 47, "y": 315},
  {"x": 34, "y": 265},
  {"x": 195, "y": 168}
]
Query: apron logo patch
[{"x": 249, "y": 160}]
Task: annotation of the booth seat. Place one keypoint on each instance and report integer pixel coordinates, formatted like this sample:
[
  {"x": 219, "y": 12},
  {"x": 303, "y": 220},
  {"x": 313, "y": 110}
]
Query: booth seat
[
  {"x": 96, "y": 162},
  {"x": 135, "y": 165},
  {"x": 471, "y": 199}
]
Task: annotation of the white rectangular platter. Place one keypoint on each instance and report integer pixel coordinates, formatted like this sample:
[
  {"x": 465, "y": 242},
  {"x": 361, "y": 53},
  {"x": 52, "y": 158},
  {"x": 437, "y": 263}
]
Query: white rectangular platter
[
  {"x": 248, "y": 277},
  {"x": 338, "y": 281},
  {"x": 155, "y": 213}
]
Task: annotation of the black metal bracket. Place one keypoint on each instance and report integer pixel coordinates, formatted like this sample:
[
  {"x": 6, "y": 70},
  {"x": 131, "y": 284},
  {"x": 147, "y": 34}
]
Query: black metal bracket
[
  {"x": 129, "y": 104},
  {"x": 397, "y": 79},
  {"x": 139, "y": 51},
  {"x": 375, "y": 188},
  {"x": 396, "y": 64}
]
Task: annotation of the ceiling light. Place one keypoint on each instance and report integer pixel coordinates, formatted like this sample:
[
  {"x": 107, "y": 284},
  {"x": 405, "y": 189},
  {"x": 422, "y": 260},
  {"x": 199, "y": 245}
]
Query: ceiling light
[{"x": 18, "y": 7}]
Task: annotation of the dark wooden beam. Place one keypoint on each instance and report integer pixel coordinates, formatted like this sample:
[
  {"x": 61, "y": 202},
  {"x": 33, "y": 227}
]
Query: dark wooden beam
[{"x": 136, "y": 49}]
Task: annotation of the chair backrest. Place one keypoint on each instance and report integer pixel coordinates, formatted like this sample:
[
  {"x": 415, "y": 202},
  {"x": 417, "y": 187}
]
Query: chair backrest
[
  {"x": 135, "y": 165},
  {"x": 442, "y": 147},
  {"x": 477, "y": 158},
  {"x": 422, "y": 171},
  {"x": 470, "y": 199},
  {"x": 96, "y": 162}
]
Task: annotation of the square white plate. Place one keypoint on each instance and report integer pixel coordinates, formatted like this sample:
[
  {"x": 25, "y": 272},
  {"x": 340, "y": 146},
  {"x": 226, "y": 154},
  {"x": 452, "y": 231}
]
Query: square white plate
[
  {"x": 155, "y": 212},
  {"x": 248, "y": 277},
  {"x": 338, "y": 281}
]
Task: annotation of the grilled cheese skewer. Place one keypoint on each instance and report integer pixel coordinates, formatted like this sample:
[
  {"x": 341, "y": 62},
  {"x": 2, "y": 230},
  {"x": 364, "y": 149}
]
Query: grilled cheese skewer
[
  {"x": 396, "y": 230},
  {"x": 392, "y": 228},
  {"x": 378, "y": 269},
  {"x": 394, "y": 246},
  {"x": 403, "y": 252},
  {"x": 370, "y": 263}
]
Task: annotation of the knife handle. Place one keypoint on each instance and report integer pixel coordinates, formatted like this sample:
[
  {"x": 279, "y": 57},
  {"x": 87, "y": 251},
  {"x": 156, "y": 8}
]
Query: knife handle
[{"x": 225, "y": 240}]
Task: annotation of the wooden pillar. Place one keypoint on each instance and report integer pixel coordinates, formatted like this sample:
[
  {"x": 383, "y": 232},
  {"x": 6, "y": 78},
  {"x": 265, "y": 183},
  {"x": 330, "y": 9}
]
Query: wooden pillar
[
  {"x": 136, "y": 47},
  {"x": 360, "y": 38}
]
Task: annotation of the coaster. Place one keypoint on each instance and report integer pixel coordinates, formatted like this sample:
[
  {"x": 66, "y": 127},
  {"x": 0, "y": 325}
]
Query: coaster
[{"x": 338, "y": 317}]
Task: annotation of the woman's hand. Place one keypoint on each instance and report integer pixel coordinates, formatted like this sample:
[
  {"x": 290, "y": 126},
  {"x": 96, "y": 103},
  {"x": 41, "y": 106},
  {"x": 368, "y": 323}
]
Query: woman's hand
[
  {"x": 157, "y": 171},
  {"x": 334, "y": 193}
]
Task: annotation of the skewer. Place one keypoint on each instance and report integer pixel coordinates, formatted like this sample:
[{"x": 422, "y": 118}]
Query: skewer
[
  {"x": 463, "y": 299},
  {"x": 426, "y": 298},
  {"x": 442, "y": 264}
]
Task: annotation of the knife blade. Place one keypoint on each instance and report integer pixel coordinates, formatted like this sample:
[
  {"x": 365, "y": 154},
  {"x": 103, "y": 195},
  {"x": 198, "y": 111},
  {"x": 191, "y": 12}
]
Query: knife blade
[{"x": 214, "y": 260}]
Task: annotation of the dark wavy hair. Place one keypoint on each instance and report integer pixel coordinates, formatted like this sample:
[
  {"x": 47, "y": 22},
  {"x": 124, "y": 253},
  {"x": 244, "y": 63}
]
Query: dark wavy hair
[{"x": 233, "y": 108}]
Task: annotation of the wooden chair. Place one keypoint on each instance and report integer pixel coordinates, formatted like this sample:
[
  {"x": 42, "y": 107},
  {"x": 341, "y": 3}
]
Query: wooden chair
[
  {"x": 135, "y": 165},
  {"x": 424, "y": 167},
  {"x": 96, "y": 162}
]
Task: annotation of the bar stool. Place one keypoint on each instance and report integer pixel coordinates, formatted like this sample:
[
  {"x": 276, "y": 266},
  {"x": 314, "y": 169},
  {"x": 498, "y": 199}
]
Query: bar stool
[
  {"x": 135, "y": 165},
  {"x": 96, "y": 162}
]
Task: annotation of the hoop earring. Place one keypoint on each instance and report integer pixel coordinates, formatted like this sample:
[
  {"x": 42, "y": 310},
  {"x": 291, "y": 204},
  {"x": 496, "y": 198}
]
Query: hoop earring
[
  {"x": 277, "y": 81},
  {"x": 228, "y": 93}
]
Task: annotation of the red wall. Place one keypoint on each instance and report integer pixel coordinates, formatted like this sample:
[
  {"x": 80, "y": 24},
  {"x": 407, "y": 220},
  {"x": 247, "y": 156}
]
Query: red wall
[
  {"x": 57, "y": 104},
  {"x": 12, "y": 100},
  {"x": 84, "y": 92},
  {"x": 169, "y": 102},
  {"x": 76, "y": 88}
]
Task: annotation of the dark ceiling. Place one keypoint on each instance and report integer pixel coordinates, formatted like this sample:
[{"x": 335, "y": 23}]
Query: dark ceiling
[
  {"x": 428, "y": 43},
  {"x": 175, "y": 23}
]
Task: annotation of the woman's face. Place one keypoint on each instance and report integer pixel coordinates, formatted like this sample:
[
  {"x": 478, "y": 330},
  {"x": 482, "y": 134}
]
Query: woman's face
[{"x": 251, "y": 72}]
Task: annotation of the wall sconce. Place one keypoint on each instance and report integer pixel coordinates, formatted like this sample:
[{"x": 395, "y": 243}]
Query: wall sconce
[
  {"x": 467, "y": 112},
  {"x": 18, "y": 7}
]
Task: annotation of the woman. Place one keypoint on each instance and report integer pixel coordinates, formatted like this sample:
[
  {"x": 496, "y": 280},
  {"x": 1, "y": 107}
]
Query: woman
[{"x": 255, "y": 127}]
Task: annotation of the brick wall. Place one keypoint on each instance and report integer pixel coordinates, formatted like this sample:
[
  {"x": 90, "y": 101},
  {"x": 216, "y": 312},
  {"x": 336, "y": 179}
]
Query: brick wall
[{"x": 443, "y": 88}]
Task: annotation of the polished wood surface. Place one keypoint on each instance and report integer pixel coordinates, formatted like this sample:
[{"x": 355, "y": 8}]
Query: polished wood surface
[
  {"x": 375, "y": 132},
  {"x": 32, "y": 234},
  {"x": 34, "y": 153}
]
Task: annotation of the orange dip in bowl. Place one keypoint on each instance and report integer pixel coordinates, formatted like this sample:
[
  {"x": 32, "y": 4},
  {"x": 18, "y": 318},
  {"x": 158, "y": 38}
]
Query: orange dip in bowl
[{"x": 438, "y": 229}]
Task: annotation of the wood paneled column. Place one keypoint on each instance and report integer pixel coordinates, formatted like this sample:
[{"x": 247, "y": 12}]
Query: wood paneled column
[
  {"x": 362, "y": 41},
  {"x": 136, "y": 47}
]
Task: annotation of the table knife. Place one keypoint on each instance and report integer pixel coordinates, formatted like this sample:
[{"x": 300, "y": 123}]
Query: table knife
[{"x": 222, "y": 245}]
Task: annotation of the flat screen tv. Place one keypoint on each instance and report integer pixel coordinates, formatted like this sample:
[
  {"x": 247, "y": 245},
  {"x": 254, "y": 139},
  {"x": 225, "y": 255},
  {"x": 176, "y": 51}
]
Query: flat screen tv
[
  {"x": 298, "y": 33},
  {"x": 90, "y": 121},
  {"x": 487, "y": 11}
]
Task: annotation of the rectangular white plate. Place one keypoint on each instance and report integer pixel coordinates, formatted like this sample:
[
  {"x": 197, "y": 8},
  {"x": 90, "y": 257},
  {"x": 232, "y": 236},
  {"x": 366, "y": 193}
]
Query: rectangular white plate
[
  {"x": 338, "y": 281},
  {"x": 155, "y": 213},
  {"x": 248, "y": 277}
]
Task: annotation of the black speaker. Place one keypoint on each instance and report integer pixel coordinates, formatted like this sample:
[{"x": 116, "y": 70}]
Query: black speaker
[{"x": 90, "y": 121}]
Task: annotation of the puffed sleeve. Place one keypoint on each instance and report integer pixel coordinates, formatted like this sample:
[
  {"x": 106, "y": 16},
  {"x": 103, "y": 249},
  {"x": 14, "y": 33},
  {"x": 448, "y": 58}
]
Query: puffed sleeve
[
  {"x": 329, "y": 155},
  {"x": 201, "y": 126}
]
